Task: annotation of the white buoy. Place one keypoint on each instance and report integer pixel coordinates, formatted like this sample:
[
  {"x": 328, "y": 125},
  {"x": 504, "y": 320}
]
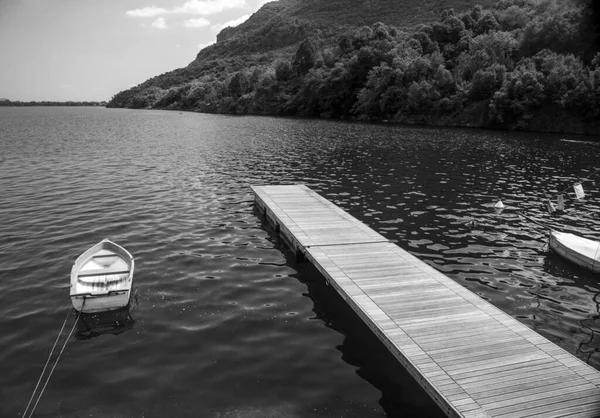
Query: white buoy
[
  {"x": 560, "y": 202},
  {"x": 578, "y": 190}
]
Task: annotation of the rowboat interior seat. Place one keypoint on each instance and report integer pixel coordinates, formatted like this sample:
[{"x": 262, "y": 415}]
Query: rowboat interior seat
[{"x": 104, "y": 271}]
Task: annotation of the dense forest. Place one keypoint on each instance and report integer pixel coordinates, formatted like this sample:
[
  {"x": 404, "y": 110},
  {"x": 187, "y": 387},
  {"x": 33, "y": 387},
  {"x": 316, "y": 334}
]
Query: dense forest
[{"x": 518, "y": 64}]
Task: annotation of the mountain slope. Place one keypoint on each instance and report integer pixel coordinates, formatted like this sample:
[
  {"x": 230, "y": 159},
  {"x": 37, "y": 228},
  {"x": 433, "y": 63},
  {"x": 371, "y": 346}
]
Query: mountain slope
[
  {"x": 277, "y": 28},
  {"x": 526, "y": 64},
  {"x": 283, "y": 23}
]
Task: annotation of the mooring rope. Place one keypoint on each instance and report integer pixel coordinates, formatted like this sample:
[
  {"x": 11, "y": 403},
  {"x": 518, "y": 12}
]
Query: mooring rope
[
  {"x": 54, "y": 366},
  {"x": 530, "y": 219},
  {"x": 47, "y": 361},
  {"x": 55, "y": 363},
  {"x": 596, "y": 257},
  {"x": 596, "y": 171}
]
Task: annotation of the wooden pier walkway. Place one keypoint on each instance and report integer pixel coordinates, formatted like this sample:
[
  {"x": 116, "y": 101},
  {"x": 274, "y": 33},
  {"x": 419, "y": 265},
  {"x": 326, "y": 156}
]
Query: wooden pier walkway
[{"x": 470, "y": 357}]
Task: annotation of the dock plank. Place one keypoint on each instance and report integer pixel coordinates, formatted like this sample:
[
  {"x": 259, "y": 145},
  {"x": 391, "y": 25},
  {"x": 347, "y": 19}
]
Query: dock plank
[{"x": 474, "y": 360}]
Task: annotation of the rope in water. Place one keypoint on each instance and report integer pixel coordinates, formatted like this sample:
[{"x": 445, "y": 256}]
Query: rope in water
[
  {"x": 582, "y": 179},
  {"x": 530, "y": 219},
  {"x": 47, "y": 361},
  {"x": 596, "y": 171},
  {"x": 596, "y": 257},
  {"x": 53, "y": 367},
  {"x": 55, "y": 363}
]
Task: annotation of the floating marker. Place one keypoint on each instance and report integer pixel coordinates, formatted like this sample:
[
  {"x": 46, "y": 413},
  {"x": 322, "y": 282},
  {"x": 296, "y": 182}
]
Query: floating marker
[
  {"x": 550, "y": 206},
  {"x": 499, "y": 207},
  {"x": 578, "y": 190},
  {"x": 560, "y": 202}
]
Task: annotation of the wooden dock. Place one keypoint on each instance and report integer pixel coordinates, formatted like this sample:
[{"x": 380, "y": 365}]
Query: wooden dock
[{"x": 470, "y": 357}]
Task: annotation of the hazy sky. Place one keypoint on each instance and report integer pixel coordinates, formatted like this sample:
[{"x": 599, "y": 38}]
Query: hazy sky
[{"x": 92, "y": 49}]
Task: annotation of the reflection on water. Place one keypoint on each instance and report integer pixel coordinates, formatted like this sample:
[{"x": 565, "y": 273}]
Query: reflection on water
[
  {"x": 90, "y": 325},
  {"x": 400, "y": 395},
  {"x": 226, "y": 326}
]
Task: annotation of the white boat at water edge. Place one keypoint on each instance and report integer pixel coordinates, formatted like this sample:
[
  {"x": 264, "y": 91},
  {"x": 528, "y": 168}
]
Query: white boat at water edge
[
  {"x": 101, "y": 278},
  {"x": 578, "y": 250}
]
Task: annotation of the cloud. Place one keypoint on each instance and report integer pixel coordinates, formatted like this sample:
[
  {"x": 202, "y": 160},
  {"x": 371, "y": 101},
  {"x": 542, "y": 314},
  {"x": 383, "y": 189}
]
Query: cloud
[
  {"x": 201, "y": 7},
  {"x": 150, "y": 11},
  {"x": 191, "y": 7},
  {"x": 261, "y": 3},
  {"x": 232, "y": 23},
  {"x": 159, "y": 23},
  {"x": 196, "y": 23}
]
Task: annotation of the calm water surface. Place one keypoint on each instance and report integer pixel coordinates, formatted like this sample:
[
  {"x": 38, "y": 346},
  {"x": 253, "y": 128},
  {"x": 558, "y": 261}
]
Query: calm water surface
[{"x": 223, "y": 324}]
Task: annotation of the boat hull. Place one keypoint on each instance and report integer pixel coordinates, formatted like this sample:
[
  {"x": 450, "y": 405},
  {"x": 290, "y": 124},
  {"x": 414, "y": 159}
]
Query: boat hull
[
  {"x": 101, "y": 278},
  {"x": 101, "y": 303},
  {"x": 581, "y": 251}
]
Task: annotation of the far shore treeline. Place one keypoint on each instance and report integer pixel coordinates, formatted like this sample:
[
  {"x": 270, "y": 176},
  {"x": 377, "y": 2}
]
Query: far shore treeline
[
  {"x": 6, "y": 102},
  {"x": 518, "y": 64}
]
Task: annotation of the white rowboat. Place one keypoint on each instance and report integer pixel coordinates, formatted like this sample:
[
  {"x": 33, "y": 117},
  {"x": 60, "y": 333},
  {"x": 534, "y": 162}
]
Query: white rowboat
[
  {"x": 101, "y": 278},
  {"x": 581, "y": 251}
]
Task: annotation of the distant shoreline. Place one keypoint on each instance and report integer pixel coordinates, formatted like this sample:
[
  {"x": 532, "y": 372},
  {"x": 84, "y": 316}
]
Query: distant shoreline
[
  {"x": 44, "y": 103},
  {"x": 561, "y": 125}
]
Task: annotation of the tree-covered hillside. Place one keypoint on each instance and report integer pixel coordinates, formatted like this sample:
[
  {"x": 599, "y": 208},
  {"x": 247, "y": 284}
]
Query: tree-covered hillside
[
  {"x": 287, "y": 22},
  {"x": 527, "y": 64}
]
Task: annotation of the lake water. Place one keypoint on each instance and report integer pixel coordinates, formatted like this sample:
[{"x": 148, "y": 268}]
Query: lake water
[{"x": 225, "y": 325}]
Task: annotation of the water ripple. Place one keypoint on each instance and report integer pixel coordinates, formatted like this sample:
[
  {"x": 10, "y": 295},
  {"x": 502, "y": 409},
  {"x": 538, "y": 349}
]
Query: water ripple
[{"x": 225, "y": 325}]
